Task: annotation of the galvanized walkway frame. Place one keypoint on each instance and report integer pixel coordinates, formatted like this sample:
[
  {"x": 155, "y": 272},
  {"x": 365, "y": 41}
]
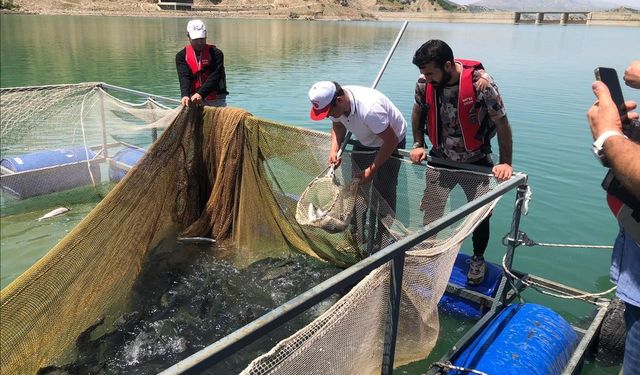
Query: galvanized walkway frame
[
  {"x": 509, "y": 288},
  {"x": 393, "y": 253}
]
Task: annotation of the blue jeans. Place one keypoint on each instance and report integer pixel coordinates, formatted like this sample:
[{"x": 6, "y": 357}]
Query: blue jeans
[
  {"x": 625, "y": 268},
  {"x": 631, "y": 364}
]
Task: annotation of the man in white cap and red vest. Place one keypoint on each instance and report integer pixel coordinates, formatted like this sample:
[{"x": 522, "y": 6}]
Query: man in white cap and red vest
[
  {"x": 459, "y": 108},
  {"x": 200, "y": 69},
  {"x": 378, "y": 126},
  {"x": 620, "y": 150}
]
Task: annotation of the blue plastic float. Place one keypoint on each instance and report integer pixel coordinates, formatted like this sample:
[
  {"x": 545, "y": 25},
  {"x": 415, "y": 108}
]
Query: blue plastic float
[
  {"x": 48, "y": 171},
  {"x": 522, "y": 339},
  {"x": 129, "y": 157}
]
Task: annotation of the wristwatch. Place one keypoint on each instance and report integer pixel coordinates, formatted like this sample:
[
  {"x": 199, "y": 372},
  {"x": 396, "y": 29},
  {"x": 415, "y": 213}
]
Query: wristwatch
[
  {"x": 596, "y": 147},
  {"x": 417, "y": 145}
]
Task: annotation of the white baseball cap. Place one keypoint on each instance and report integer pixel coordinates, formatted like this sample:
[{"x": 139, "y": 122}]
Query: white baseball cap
[
  {"x": 321, "y": 94},
  {"x": 196, "y": 29}
]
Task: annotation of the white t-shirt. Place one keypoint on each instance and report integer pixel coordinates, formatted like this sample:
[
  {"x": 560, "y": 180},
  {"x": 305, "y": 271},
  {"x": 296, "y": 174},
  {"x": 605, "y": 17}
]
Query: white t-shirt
[{"x": 371, "y": 113}]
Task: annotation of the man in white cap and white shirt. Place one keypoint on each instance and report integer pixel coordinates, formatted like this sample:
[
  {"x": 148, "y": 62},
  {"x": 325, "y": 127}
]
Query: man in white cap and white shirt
[
  {"x": 200, "y": 69},
  {"x": 377, "y": 124}
]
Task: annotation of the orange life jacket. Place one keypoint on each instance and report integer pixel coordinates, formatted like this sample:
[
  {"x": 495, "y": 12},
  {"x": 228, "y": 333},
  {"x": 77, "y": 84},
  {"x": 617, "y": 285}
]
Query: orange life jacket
[
  {"x": 198, "y": 69},
  {"x": 466, "y": 100}
]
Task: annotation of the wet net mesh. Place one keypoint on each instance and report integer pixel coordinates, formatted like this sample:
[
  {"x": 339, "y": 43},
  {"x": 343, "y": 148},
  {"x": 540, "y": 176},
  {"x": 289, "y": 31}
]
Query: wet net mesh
[
  {"x": 328, "y": 204},
  {"x": 224, "y": 174}
]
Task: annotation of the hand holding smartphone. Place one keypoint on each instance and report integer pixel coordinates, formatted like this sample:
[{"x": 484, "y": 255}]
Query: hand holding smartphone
[
  {"x": 611, "y": 184},
  {"x": 609, "y": 77}
]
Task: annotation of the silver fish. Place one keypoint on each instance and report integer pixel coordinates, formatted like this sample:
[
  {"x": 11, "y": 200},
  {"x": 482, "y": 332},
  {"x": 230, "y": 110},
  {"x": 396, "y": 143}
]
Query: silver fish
[
  {"x": 56, "y": 212},
  {"x": 196, "y": 240},
  {"x": 315, "y": 213}
]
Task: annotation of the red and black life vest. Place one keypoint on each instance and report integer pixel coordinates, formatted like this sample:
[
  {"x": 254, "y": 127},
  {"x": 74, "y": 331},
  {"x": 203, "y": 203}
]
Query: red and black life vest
[
  {"x": 625, "y": 217},
  {"x": 199, "y": 68},
  {"x": 466, "y": 100}
]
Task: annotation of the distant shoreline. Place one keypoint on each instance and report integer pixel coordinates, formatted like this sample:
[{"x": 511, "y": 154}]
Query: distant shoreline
[{"x": 596, "y": 18}]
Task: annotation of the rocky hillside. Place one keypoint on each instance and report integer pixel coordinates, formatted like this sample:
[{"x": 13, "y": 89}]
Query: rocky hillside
[
  {"x": 354, "y": 9},
  {"x": 433, "y": 10}
]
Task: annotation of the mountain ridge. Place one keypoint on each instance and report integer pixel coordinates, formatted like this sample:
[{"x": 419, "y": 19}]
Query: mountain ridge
[
  {"x": 552, "y": 5},
  {"x": 427, "y": 10}
]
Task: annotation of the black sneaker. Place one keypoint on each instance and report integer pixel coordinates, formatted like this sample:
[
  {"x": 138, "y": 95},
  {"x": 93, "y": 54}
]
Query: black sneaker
[{"x": 477, "y": 268}]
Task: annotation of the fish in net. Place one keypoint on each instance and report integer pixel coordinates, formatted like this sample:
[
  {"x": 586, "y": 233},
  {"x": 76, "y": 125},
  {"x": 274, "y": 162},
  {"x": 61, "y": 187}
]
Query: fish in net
[{"x": 328, "y": 204}]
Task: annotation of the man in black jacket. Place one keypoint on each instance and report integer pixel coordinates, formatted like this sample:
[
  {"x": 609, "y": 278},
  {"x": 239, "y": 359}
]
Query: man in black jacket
[{"x": 200, "y": 69}]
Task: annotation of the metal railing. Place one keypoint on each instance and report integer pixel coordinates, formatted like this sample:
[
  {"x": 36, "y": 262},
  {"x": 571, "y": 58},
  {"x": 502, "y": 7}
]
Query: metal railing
[
  {"x": 393, "y": 253},
  {"x": 141, "y": 94}
]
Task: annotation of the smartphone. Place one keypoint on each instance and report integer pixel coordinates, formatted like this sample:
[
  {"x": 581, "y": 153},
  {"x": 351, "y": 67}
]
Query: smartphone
[{"x": 609, "y": 77}]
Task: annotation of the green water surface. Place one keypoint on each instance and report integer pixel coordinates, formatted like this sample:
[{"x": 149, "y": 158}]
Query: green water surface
[{"x": 544, "y": 74}]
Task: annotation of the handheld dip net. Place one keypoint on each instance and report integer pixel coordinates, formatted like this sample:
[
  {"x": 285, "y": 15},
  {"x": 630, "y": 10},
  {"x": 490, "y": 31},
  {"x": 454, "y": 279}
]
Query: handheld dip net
[
  {"x": 326, "y": 204},
  {"x": 223, "y": 174}
]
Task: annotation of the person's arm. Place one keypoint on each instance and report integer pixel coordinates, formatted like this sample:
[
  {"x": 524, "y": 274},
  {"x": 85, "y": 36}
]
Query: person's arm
[
  {"x": 495, "y": 108},
  {"x": 338, "y": 132},
  {"x": 419, "y": 150},
  {"x": 216, "y": 80},
  {"x": 417, "y": 124},
  {"x": 481, "y": 79},
  {"x": 624, "y": 157},
  {"x": 622, "y": 154},
  {"x": 418, "y": 117},
  {"x": 504, "y": 169},
  {"x": 184, "y": 76},
  {"x": 632, "y": 75},
  {"x": 390, "y": 140}
]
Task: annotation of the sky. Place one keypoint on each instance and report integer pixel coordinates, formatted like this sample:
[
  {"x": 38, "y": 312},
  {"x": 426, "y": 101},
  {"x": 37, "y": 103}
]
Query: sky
[{"x": 631, "y": 3}]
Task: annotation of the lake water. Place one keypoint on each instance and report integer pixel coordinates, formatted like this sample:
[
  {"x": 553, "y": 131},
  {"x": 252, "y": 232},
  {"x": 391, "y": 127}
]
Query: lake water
[{"x": 544, "y": 74}]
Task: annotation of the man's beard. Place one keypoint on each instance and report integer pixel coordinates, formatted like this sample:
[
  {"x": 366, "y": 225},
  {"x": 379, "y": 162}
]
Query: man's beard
[{"x": 446, "y": 77}]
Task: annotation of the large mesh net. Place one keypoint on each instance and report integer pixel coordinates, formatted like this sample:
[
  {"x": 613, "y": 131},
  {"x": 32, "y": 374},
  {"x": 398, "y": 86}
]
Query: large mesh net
[{"x": 224, "y": 174}]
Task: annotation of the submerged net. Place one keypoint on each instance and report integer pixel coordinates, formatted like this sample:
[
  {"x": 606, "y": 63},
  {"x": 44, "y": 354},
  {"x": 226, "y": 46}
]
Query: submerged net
[{"x": 227, "y": 175}]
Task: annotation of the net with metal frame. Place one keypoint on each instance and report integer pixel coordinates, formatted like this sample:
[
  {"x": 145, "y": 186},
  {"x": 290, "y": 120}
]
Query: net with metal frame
[
  {"x": 227, "y": 175},
  {"x": 327, "y": 204}
]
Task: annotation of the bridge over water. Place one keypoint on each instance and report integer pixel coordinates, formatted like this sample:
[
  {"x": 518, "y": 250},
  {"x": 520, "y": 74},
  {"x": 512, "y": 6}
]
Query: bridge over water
[{"x": 539, "y": 17}]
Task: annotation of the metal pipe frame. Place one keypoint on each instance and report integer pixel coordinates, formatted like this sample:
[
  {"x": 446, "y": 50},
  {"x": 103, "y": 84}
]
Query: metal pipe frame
[
  {"x": 242, "y": 337},
  {"x": 391, "y": 331},
  {"x": 439, "y": 162},
  {"x": 503, "y": 297},
  {"x": 512, "y": 243},
  {"x": 103, "y": 123},
  {"x": 587, "y": 340},
  {"x": 136, "y": 92}
]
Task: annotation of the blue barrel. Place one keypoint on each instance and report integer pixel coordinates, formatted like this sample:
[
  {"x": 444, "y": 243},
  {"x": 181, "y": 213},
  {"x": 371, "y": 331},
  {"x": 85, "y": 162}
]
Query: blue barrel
[
  {"x": 47, "y": 158},
  {"x": 129, "y": 157},
  {"x": 49, "y": 171},
  {"x": 463, "y": 308},
  {"x": 522, "y": 339}
]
